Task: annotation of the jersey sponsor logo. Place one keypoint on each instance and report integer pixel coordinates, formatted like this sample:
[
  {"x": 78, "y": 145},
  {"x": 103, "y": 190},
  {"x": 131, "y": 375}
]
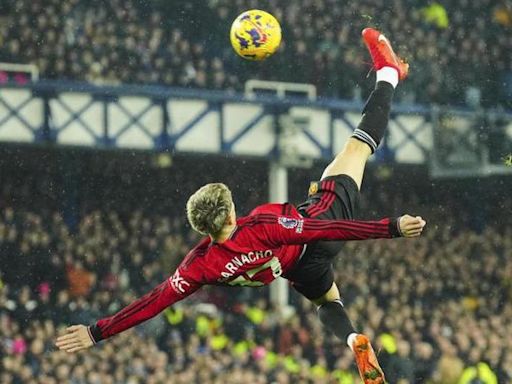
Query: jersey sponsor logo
[{"x": 178, "y": 283}]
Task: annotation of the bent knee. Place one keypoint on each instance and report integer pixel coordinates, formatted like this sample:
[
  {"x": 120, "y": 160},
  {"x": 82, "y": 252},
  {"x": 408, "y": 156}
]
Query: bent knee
[{"x": 332, "y": 294}]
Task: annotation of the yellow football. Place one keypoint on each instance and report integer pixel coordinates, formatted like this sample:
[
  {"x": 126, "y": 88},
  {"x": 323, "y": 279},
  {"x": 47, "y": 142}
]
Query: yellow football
[{"x": 255, "y": 35}]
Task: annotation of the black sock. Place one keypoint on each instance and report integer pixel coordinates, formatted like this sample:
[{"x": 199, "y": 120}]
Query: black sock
[
  {"x": 373, "y": 125},
  {"x": 335, "y": 319}
]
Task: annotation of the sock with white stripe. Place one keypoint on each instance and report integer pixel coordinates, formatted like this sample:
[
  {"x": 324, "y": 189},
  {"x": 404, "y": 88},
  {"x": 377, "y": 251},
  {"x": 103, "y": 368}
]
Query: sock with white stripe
[
  {"x": 375, "y": 118},
  {"x": 350, "y": 340},
  {"x": 335, "y": 319}
]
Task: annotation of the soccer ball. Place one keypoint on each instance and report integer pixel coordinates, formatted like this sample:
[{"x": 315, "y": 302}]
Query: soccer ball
[{"x": 255, "y": 35}]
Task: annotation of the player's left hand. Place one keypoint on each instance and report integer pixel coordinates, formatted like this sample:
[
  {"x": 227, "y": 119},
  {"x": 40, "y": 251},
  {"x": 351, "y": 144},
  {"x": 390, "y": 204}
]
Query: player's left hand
[
  {"x": 411, "y": 226},
  {"x": 76, "y": 339}
]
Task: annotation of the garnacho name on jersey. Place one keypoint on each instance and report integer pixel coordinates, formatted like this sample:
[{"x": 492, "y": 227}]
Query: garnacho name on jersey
[{"x": 238, "y": 261}]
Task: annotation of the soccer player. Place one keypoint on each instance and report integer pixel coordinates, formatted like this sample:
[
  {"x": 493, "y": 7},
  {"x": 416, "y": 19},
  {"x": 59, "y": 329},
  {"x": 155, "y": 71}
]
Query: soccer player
[{"x": 296, "y": 242}]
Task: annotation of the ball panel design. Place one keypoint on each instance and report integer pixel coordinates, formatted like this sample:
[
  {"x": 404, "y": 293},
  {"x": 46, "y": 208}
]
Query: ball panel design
[{"x": 255, "y": 35}]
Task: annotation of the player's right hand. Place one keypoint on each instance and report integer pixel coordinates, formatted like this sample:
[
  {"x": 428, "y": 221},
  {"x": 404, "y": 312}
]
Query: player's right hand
[
  {"x": 77, "y": 338},
  {"x": 411, "y": 226}
]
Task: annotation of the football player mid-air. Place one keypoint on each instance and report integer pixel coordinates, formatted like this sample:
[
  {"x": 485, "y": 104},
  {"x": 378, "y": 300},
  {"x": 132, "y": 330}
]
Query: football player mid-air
[{"x": 295, "y": 242}]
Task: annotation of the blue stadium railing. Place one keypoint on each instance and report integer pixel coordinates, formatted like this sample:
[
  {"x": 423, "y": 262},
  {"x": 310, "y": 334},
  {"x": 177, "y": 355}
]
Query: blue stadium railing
[{"x": 174, "y": 119}]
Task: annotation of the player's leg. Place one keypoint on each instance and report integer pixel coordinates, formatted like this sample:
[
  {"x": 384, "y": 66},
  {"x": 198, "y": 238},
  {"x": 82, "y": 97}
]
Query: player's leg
[
  {"x": 351, "y": 161},
  {"x": 390, "y": 69},
  {"x": 333, "y": 316},
  {"x": 313, "y": 277},
  {"x": 337, "y": 196}
]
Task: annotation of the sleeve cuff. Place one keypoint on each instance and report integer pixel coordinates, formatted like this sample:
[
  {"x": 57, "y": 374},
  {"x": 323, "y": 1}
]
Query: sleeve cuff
[
  {"x": 95, "y": 333},
  {"x": 394, "y": 227}
]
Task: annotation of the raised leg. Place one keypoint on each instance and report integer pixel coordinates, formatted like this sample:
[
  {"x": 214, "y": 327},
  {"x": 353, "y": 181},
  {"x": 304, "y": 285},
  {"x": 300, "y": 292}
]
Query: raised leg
[
  {"x": 390, "y": 69},
  {"x": 352, "y": 159}
]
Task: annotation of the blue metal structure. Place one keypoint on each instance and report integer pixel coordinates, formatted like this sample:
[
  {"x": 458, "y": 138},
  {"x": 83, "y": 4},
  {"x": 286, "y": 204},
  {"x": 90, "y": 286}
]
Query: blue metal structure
[{"x": 169, "y": 119}]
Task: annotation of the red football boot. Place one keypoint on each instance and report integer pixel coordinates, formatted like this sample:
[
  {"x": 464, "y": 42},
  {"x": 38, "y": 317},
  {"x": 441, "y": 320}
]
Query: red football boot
[
  {"x": 366, "y": 361},
  {"x": 382, "y": 53}
]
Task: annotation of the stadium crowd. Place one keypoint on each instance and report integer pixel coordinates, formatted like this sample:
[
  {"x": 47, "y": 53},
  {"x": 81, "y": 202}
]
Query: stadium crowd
[
  {"x": 438, "y": 307},
  {"x": 454, "y": 46}
]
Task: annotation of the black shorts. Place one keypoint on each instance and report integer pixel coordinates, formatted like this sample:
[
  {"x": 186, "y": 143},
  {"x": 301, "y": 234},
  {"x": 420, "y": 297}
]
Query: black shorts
[{"x": 335, "y": 197}]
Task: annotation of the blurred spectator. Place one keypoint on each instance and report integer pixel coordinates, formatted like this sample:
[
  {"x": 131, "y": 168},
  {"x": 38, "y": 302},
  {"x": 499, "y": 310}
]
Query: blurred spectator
[
  {"x": 436, "y": 14},
  {"x": 423, "y": 362},
  {"x": 503, "y": 14},
  {"x": 400, "y": 366},
  {"x": 481, "y": 373},
  {"x": 451, "y": 45},
  {"x": 79, "y": 279},
  {"x": 438, "y": 307}
]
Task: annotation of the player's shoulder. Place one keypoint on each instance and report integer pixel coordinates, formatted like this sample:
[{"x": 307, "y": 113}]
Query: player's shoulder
[
  {"x": 276, "y": 209},
  {"x": 268, "y": 214},
  {"x": 196, "y": 253}
]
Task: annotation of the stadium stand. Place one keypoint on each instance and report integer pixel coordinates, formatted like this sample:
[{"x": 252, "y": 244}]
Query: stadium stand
[
  {"x": 84, "y": 232},
  {"x": 438, "y": 307},
  {"x": 456, "y": 47}
]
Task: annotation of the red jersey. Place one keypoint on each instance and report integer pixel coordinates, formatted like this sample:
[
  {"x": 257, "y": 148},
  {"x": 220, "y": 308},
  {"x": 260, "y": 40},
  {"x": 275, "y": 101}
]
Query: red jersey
[{"x": 263, "y": 246}]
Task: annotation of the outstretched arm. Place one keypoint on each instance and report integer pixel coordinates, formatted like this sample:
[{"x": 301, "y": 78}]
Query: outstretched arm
[
  {"x": 285, "y": 230},
  {"x": 80, "y": 337}
]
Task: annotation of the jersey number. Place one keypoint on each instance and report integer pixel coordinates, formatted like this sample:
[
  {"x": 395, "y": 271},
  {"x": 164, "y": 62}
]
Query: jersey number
[{"x": 247, "y": 281}]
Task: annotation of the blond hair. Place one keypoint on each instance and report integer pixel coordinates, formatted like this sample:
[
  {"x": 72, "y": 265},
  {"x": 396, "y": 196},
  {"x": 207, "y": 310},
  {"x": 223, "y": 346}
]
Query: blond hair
[{"x": 209, "y": 207}]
